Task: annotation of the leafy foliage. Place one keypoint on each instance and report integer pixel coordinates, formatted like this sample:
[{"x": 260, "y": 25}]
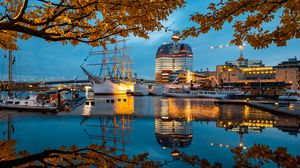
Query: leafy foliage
[
  {"x": 88, "y": 21},
  {"x": 99, "y": 156},
  {"x": 92, "y": 156},
  {"x": 258, "y": 14}
]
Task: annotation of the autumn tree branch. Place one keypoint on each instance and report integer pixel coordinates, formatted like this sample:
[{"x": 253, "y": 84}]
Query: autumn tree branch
[
  {"x": 252, "y": 29},
  {"x": 91, "y": 22}
]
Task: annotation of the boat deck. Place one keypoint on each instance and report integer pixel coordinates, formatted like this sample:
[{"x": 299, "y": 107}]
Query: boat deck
[{"x": 29, "y": 108}]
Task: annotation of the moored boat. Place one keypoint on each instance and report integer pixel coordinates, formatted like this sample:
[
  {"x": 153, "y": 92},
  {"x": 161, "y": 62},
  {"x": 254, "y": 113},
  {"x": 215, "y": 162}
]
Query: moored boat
[
  {"x": 115, "y": 72},
  {"x": 157, "y": 90},
  {"x": 212, "y": 94},
  {"x": 183, "y": 94},
  {"x": 293, "y": 95},
  {"x": 187, "y": 93},
  {"x": 141, "y": 89},
  {"x": 32, "y": 103}
]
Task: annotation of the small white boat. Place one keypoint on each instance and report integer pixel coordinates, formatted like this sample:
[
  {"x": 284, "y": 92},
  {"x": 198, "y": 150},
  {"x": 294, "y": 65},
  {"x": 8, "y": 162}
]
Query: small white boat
[
  {"x": 141, "y": 89},
  {"x": 27, "y": 104},
  {"x": 157, "y": 90}
]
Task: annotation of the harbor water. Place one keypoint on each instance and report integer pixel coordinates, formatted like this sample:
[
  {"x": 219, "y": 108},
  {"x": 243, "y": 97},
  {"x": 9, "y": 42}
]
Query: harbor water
[{"x": 156, "y": 125}]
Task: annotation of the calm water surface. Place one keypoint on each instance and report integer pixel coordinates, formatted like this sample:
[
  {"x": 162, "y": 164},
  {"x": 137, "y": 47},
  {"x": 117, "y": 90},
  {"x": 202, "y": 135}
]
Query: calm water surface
[{"x": 156, "y": 125}]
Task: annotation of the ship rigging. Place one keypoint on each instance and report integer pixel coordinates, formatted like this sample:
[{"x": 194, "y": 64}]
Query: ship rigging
[{"x": 113, "y": 71}]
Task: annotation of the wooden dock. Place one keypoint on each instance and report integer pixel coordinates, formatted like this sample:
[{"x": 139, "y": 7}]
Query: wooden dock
[{"x": 272, "y": 107}]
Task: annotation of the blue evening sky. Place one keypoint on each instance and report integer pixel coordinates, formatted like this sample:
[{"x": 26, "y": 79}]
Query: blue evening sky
[{"x": 40, "y": 60}]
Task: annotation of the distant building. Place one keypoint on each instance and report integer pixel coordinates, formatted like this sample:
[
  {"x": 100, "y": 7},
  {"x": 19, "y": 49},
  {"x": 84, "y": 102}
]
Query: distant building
[
  {"x": 180, "y": 77},
  {"x": 172, "y": 57},
  {"x": 251, "y": 76},
  {"x": 241, "y": 62},
  {"x": 289, "y": 72}
]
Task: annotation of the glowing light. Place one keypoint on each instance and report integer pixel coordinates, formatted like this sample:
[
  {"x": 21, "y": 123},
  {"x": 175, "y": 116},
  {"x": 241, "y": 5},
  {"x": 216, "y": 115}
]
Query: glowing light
[{"x": 175, "y": 153}]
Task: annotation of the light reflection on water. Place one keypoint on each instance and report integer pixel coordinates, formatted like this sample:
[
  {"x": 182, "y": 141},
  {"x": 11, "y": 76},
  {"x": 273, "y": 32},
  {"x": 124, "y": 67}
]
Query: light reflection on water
[{"x": 161, "y": 126}]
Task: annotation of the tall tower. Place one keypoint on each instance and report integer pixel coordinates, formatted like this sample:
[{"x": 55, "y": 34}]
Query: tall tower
[{"x": 173, "y": 56}]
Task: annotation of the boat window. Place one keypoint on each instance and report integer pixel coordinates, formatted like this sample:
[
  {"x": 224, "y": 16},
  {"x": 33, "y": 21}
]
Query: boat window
[
  {"x": 17, "y": 102},
  {"x": 26, "y": 102},
  {"x": 9, "y": 102},
  {"x": 1, "y": 101}
]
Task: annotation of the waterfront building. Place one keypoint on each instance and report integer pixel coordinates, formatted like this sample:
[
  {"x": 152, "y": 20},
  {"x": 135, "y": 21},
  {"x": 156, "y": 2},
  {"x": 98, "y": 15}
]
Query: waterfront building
[
  {"x": 289, "y": 72},
  {"x": 228, "y": 74},
  {"x": 251, "y": 76},
  {"x": 172, "y": 57},
  {"x": 182, "y": 77},
  {"x": 244, "y": 69},
  {"x": 259, "y": 73}
]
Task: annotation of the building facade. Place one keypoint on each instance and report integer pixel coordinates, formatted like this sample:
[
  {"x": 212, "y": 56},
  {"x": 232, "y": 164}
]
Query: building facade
[
  {"x": 251, "y": 76},
  {"x": 289, "y": 72},
  {"x": 172, "y": 57}
]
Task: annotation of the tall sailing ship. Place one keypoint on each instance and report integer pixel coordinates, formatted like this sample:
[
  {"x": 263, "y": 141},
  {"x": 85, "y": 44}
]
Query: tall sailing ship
[{"x": 113, "y": 71}]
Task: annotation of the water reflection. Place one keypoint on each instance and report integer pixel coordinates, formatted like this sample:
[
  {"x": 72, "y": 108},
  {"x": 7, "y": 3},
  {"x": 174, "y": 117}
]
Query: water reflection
[
  {"x": 7, "y": 126},
  {"x": 244, "y": 120},
  {"x": 109, "y": 123},
  {"x": 236, "y": 118},
  {"x": 173, "y": 129},
  {"x": 112, "y": 132},
  {"x": 164, "y": 127},
  {"x": 113, "y": 105},
  {"x": 174, "y": 118},
  {"x": 187, "y": 109}
]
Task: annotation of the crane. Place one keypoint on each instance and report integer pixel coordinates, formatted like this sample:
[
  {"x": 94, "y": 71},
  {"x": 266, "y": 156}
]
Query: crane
[
  {"x": 241, "y": 47},
  {"x": 167, "y": 28}
]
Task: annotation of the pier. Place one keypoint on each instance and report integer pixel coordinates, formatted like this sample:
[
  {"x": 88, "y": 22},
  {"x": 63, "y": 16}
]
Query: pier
[
  {"x": 40, "y": 85},
  {"x": 279, "y": 108}
]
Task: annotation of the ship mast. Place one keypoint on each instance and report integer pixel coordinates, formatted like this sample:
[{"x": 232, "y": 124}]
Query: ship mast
[
  {"x": 115, "y": 62},
  {"x": 10, "y": 63},
  {"x": 104, "y": 63},
  {"x": 129, "y": 69},
  {"x": 123, "y": 61}
]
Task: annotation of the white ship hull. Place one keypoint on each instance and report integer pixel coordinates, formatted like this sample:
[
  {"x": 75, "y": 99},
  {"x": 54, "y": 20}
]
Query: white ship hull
[
  {"x": 216, "y": 96},
  {"x": 196, "y": 94},
  {"x": 141, "y": 89},
  {"x": 109, "y": 88},
  {"x": 213, "y": 94},
  {"x": 182, "y": 95}
]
